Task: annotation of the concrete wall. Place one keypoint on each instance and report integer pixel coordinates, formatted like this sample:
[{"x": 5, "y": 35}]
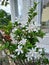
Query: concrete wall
[
  {"x": 26, "y": 4},
  {"x": 45, "y": 2}
]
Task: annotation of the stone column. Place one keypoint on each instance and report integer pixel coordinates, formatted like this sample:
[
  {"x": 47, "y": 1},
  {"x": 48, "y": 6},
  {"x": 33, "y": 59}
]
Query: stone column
[
  {"x": 39, "y": 12},
  {"x": 32, "y": 2},
  {"x": 20, "y": 8},
  {"x": 25, "y": 9},
  {"x": 14, "y": 9}
]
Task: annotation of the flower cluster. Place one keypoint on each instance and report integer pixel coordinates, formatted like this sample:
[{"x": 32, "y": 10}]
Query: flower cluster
[
  {"x": 25, "y": 38},
  {"x": 33, "y": 54},
  {"x": 21, "y": 42},
  {"x": 33, "y": 27}
]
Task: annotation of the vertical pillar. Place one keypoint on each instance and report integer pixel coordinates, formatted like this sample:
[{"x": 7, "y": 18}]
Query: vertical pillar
[
  {"x": 21, "y": 8},
  {"x": 32, "y": 2},
  {"x": 39, "y": 12},
  {"x": 14, "y": 9},
  {"x": 26, "y": 6}
]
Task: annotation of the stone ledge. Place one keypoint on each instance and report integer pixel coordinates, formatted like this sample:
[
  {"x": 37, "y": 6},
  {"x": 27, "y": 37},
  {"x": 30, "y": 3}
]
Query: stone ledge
[{"x": 44, "y": 43}]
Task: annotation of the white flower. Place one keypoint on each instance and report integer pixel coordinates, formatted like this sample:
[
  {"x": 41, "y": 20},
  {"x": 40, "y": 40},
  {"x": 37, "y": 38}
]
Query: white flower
[
  {"x": 30, "y": 54},
  {"x": 19, "y": 50},
  {"x": 12, "y": 35},
  {"x": 30, "y": 27},
  {"x": 32, "y": 51},
  {"x": 3, "y": 54},
  {"x": 13, "y": 56},
  {"x": 14, "y": 41},
  {"x": 35, "y": 30},
  {"x": 23, "y": 42},
  {"x": 37, "y": 55},
  {"x": 37, "y": 24},
  {"x": 14, "y": 29},
  {"x": 40, "y": 50}
]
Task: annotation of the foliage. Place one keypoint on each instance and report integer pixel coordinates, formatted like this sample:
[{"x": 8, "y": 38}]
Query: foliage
[
  {"x": 4, "y": 2},
  {"x": 20, "y": 44},
  {"x": 5, "y": 19}
]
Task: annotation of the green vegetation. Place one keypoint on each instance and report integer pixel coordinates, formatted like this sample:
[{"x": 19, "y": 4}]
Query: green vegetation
[{"x": 20, "y": 43}]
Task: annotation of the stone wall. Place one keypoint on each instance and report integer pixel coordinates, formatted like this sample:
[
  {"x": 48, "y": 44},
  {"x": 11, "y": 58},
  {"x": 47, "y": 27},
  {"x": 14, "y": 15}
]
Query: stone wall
[{"x": 45, "y": 2}]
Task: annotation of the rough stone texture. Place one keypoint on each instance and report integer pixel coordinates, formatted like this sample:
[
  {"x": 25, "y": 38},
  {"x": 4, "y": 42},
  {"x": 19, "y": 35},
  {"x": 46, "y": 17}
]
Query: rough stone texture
[
  {"x": 45, "y": 2},
  {"x": 3, "y": 60},
  {"x": 44, "y": 43}
]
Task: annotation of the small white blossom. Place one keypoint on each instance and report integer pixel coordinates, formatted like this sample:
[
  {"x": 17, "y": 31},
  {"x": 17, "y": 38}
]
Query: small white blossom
[
  {"x": 13, "y": 56},
  {"x": 17, "y": 35},
  {"x": 37, "y": 24},
  {"x": 3, "y": 54},
  {"x": 30, "y": 54},
  {"x": 12, "y": 35},
  {"x": 37, "y": 55},
  {"x": 23, "y": 42},
  {"x": 14, "y": 41},
  {"x": 14, "y": 29},
  {"x": 32, "y": 51},
  {"x": 40, "y": 50},
  {"x": 32, "y": 27},
  {"x": 35, "y": 30},
  {"x": 19, "y": 50}
]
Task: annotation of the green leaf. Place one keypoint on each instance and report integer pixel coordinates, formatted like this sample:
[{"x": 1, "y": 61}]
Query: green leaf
[
  {"x": 32, "y": 13},
  {"x": 40, "y": 33},
  {"x": 2, "y": 47},
  {"x": 28, "y": 44},
  {"x": 45, "y": 61},
  {"x": 12, "y": 47},
  {"x": 7, "y": 45}
]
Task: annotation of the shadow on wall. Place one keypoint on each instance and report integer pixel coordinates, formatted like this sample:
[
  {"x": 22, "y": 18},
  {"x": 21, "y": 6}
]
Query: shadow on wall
[{"x": 45, "y": 3}]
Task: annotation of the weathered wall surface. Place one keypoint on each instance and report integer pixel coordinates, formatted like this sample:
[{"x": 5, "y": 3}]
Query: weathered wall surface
[{"x": 45, "y": 2}]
